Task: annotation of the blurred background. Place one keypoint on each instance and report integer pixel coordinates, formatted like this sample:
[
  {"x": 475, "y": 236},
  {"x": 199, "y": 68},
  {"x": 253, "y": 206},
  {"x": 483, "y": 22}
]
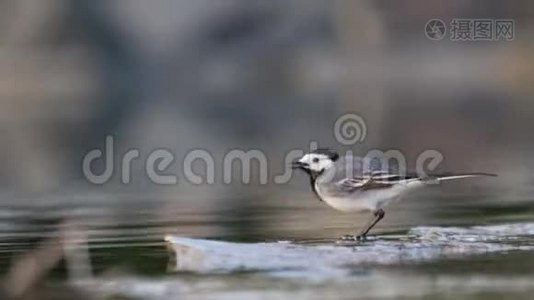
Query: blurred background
[{"x": 237, "y": 74}]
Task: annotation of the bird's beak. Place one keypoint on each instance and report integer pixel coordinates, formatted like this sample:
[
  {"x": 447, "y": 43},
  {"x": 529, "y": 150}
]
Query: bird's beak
[{"x": 299, "y": 165}]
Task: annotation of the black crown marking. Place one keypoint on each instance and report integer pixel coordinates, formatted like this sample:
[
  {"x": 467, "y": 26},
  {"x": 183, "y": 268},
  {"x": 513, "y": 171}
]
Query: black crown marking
[{"x": 328, "y": 152}]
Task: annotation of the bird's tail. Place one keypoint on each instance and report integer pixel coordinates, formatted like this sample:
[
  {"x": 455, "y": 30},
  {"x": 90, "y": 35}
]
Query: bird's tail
[{"x": 450, "y": 176}]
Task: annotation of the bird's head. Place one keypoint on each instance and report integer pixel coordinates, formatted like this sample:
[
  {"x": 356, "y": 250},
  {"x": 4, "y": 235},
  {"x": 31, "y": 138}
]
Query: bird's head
[{"x": 316, "y": 162}]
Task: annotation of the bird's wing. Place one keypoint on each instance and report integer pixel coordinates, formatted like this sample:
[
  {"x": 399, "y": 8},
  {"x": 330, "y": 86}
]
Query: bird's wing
[
  {"x": 363, "y": 184},
  {"x": 374, "y": 180},
  {"x": 367, "y": 173},
  {"x": 355, "y": 182},
  {"x": 381, "y": 180}
]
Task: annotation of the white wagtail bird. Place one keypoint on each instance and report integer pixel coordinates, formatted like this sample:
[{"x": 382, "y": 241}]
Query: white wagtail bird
[{"x": 365, "y": 188}]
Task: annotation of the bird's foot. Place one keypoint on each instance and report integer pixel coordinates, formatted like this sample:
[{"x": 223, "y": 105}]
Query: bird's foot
[{"x": 352, "y": 238}]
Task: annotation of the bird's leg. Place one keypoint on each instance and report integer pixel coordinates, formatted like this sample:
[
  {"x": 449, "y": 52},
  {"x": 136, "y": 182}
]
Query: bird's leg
[{"x": 378, "y": 215}]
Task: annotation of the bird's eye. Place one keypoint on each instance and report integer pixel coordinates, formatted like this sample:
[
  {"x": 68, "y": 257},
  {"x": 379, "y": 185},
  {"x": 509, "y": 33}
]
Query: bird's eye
[{"x": 315, "y": 160}]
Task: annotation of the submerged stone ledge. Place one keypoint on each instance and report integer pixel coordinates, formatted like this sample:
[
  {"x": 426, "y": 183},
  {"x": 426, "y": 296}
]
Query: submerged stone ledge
[{"x": 332, "y": 259}]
